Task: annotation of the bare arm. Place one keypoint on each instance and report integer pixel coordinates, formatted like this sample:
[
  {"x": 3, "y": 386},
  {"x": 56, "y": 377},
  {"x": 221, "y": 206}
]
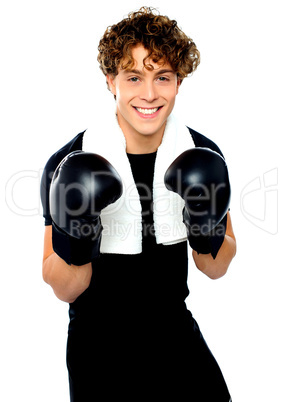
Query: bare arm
[
  {"x": 215, "y": 269},
  {"x": 67, "y": 281}
]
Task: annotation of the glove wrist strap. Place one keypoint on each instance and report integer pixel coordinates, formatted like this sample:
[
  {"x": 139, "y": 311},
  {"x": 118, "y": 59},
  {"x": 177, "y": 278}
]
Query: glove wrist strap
[
  {"x": 76, "y": 251},
  {"x": 209, "y": 243}
]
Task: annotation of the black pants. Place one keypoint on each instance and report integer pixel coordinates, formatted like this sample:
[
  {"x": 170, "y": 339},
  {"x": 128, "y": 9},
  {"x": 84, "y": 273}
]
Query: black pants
[{"x": 126, "y": 359}]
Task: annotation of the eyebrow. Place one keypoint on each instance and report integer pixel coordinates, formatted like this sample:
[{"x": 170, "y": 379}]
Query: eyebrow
[{"x": 159, "y": 72}]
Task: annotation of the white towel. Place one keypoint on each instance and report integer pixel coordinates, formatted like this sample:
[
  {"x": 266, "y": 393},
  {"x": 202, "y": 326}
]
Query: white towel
[{"x": 122, "y": 221}]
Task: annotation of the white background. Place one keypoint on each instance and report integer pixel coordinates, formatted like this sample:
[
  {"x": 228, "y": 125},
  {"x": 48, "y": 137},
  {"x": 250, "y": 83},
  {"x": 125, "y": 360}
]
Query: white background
[{"x": 51, "y": 87}]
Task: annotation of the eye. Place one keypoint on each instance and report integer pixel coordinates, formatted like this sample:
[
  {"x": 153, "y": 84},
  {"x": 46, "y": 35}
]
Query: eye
[
  {"x": 163, "y": 79},
  {"x": 133, "y": 79}
]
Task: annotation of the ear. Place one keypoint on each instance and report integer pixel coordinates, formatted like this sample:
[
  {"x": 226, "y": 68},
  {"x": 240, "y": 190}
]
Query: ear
[
  {"x": 111, "y": 83},
  {"x": 179, "y": 82}
]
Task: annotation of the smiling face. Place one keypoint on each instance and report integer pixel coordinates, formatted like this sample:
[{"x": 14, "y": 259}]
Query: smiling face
[{"x": 145, "y": 98}]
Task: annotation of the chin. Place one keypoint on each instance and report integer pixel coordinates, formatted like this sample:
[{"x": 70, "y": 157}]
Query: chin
[{"x": 150, "y": 131}]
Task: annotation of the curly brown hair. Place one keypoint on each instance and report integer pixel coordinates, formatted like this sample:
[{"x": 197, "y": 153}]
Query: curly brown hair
[{"x": 163, "y": 39}]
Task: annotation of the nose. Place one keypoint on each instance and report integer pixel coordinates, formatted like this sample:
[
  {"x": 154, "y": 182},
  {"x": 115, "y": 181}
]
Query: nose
[{"x": 149, "y": 92}]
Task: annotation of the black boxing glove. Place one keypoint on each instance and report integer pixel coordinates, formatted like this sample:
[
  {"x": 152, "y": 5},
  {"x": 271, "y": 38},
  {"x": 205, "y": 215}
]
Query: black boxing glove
[
  {"x": 82, "y": 185},
  {"x": 200, "y": 177}
]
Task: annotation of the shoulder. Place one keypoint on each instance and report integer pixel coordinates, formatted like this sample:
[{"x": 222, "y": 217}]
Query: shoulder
[
  {"x": 48, "y": 171},
  {"x": 73, "y": 145},
  {"x": 201, "y": 140}
]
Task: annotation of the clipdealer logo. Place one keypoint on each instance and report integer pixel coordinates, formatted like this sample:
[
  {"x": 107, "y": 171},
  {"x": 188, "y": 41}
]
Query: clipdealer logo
[
  {"x": 20, "y": 190},
  {"x": 259, "y": 201}
]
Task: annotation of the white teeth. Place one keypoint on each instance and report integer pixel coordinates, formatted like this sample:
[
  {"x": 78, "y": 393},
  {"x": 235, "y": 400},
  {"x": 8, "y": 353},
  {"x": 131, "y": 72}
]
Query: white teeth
[{"x": 147, "y": 111}]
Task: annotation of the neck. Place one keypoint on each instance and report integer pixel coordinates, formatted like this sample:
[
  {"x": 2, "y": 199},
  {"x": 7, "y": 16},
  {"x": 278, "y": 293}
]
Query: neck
[{"x": 146, "y": 146}]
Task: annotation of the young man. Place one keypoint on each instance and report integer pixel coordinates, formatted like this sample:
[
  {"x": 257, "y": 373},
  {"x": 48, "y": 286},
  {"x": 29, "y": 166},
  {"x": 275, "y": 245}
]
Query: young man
[{"x": 119, "y": 217}]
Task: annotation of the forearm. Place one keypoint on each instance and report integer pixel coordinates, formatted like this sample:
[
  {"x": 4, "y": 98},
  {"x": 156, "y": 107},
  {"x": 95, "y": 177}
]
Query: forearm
[
  {"x": 216, "y": 268},
  {"x": 67, "y": 281}
]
